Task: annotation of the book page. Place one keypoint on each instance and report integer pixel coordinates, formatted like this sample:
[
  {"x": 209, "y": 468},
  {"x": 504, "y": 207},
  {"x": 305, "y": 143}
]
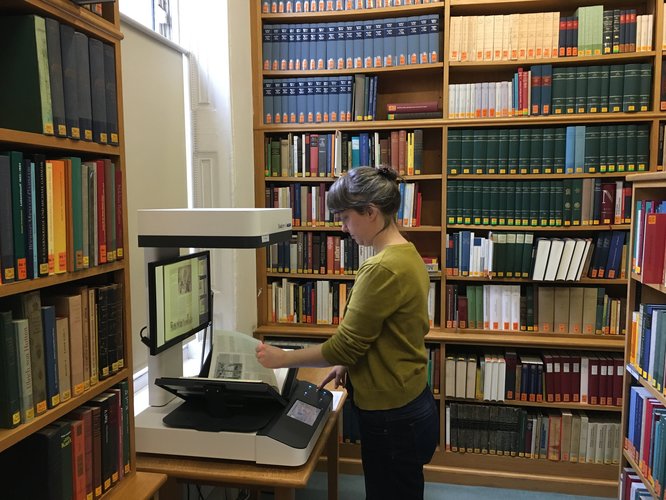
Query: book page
[{"x": 233, "y": 358}]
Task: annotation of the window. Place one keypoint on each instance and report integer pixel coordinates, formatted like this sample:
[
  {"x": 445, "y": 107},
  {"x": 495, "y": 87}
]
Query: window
[{"x": 159, "y": 15}]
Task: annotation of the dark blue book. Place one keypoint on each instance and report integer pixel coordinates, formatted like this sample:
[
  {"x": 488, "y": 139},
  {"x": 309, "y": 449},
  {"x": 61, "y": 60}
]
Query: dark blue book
[
  {"x": 111, "y": 94},
  {"x": 301, "y": 103},
  {"x": 412, "y": 40},
  {"x": 325, "y": 89},
  {"x": 277, "y": 101},
  {"x": 291, "y": 47},
  {"x": 29, "y": 216},
  {"x": 70, "y": 81},
  {"x": 83, "y": 86},
  {"x": 98, "y": 90},
  {"x": 320, "y": 50},
  {"x": 310, "y": 100},
  {"x": 615, "y": 253},
  {"x": 424, "y": 33},
  {"x": 331, "y": 45},
  {"x": 291, "y": 99},
  {"x": 50, "y": 356},
  {"x": 266, "y": 47},
  {"x": 333, "y": 99},
  {"x": 10, "y": 410},
  {"x": 358, "y": 44},
  {"x": 536, "y": 89},
  {"x": 56, "y": 76},
  {"x": 368, "y": 47},
  {"x": 340, "y": 53},
  {"x": 349, "y": 45},
  {"x": 318, "y": 100},
  {"x": 298, "y": 46},
  {"x": 378, "y": 43},
  {"x": 283, "y": 47},
  {"x": 268, "y": 101}
]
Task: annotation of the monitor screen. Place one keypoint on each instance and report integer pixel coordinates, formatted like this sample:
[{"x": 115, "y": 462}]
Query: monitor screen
[{"x": 179, "y": 299}]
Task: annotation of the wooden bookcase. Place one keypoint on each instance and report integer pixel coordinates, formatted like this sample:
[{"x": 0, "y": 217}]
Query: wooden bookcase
[
  {"x": 105, "y": 28},
  {"x": 431, "y": 82},
  {"x": 650, "y": 186}
]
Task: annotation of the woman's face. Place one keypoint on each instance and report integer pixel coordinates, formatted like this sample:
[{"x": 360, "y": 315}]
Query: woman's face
[{"x": 361, "y": 227}]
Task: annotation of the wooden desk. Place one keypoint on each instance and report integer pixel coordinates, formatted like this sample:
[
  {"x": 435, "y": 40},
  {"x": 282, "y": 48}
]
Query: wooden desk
[{"x": 282, "y": 480}]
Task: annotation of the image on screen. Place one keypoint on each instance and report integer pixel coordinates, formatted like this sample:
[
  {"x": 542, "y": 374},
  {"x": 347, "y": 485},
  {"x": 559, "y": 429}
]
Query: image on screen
[
  {"x": 304, "y": 412},
  {"x": 179, "y": 301}
]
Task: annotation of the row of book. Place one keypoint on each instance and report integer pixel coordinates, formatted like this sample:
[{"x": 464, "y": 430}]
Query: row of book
[
  {"x": 325, "y": 155},
  {"x": 591, "y": 31},
  {"x": 373, "y": 43},
  {"x": 632, "y": 488},
  {"x": 567, "y": 202},
  {"x": 513, "y": 308},
  {"x": 320, "y": 100},
  {"x": 80, "y": 456},
  {"x": 560, "y": 435},
  {"x": 317, "y": 253},
  {"x": 647, "y": 349},
  {"x": 317, "y": 302},
  {"x": 553, "y": 377},
  {"x": 58, "y": 215},
  {"x": 646, "y": 429},
  {"x": 56, "y": 351},
  {"x": 291, "y": 6},
  {"x": 544, "y": 90},
  {"x": 520, "y": 255},
  {"x": 70, "y": 75},
  {"x": 574, "y": 149},
  {"x": 648, "y": 255}
]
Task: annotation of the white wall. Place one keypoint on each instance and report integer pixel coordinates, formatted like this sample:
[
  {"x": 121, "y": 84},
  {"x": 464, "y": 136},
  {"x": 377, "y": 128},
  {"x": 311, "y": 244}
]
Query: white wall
[{"x": 155, "y": 149}]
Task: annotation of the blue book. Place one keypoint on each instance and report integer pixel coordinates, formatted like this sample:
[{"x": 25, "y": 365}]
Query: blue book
[
  {"x": 284, "y": 100},
  {"x": 330, "y": 142},
  {"x": 268, "y": 101},
  {"x": 349, "y": 97},
  {"x": 368, "y": 101},
  {"x": 424, "y": 29},
  {"x": 333, "y": 99},
  {"x": 298, "y": 46},
  {"x": 514, "y": 103},
  {"x": 318, "y": 100},
  {"x": 340, "y": 53},
  {"x": 275, "y": 47},
  {"x": 615, "y": 254},
  {"x": 535, "y": 85},
  {"x": 266, "y": 47},
  {"x": 301, "y": 101},
  {"x": 291, "y": 47},
  {"x": 349, "y": 45},
  {"x": 283, "y": 48},
  {"x": 402, "y": 201},
  {"x": 546, "y": 88},
  {"x": 331, "y": 45},
  {"x": 310, "y": 100},
  {"x": 325, "y": 110},
  {"x": 320, "y": 56},
  {"x": 368, "y": 44},
  {"x": 308, "y": 49},
  {"x": 465, "y": 243},
  {"x": 364, "y": 149},
  {"x": 434, "y": 38},
  {"x": 412, "y": 40},
  {"x": 358, "y": 44},
  {"x": 389, "y": 42},
  {"x": 50, "y": 356},
  {"x": 28, "y": 216},
  {"x": 569, "y": 164},
  {"x": 579, "y": 150},
  {"x": 277, "y": 101},
  {"x": 297, "y": 200},
  {"x": 400, "y": 41},
  {"x": 378, "y": 43},
  {"x": 291, "y": 100},
  {"x": 355, "y": 152}
]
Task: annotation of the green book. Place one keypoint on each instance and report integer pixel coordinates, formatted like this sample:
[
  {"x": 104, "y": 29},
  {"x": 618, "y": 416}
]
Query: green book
[
  {"x": 454, "y": 151},
  {"x": 524, "y": 145},
  {"x": 559, "y": 90},
  {"x": 543, "y": 202},
  {"x": 581, "y": 89},
  {"x": 644, "y": 88},
  {"x": 17, "y": 171},
  {"x": 25, "y": 86},
  {"x": 548, "y": 150},
  {"x": 518, "y": 257},
  {"x": 485, "y": 204},
  {"x": 510, "y": 255},
  {"x": 621, "y": 153},
  {"x": 560, "y": 149},
  {"x": 478, "y": 291},
  {"x": 535, "y": 189},
  {"x": 642, "y": 147},
  {"x": 76, "y": 214},
  {"x": 570, "y": 90},
  {"x": 527, "y": 255},
  {"x": 552, "y": 201},
  {"x": 503, "y": 152},
  {"x": 536, "y": 150},
  {"x": 501, "y": 254},
  {"x": 275, "y": 167},
  {"x": 468, "y": 201},
  {"x": 513, "y": 198},
  {"x": 576, "y": 201},
  {"x": 451, "y": 201},
  {"x": 502, "y": 203},
  {"x": 479, "y": 155},
  {"x": 476, "y": 207},
  {"x": 593, "y": 89},
  {"x": 467, "y": 150},
  {"x": 471, "y": 307},
  {"x": 567, "y": 185},
  {"x": 494, "y": 198},
  {"x": 616, "y": 88},
  {"x": 603, "y": 149},
  {"x": 10, "y": 405},
  {"x": 604, "y": 88},
  {"x": 611, "y": 150},
  {"x": 514, "y": 150},
  {"x": 631, "y": 147},
  {"x": 492, "y": 151},
  {"x": 591, "y": 149},
  {"x": 632, "y": 86}
]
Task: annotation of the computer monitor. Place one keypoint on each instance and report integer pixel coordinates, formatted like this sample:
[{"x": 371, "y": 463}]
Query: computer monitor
[{"x": 179, "y": 299}]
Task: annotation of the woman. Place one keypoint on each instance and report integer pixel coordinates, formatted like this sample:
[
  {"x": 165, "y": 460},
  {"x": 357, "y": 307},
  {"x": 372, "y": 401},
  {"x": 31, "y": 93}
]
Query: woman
[{"x": 380, "y": 341}]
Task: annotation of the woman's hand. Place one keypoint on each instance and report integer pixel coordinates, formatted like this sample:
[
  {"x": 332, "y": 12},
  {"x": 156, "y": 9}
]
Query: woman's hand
[
  {"x": 270, "y": 356},
  {"x": 339, "y": 374}
]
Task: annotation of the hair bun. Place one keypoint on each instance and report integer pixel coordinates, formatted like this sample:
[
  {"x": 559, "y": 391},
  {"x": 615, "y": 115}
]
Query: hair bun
[{"x": 388, "y": 173}]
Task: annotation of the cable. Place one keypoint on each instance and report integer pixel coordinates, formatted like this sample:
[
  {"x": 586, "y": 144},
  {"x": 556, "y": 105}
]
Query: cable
[{"x": 144, "y": 338}]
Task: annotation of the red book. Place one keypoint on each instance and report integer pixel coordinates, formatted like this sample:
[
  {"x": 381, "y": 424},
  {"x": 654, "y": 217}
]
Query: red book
[
  {"x": 650, "y": 405},
  {"x": 330, "y": 254},
  {"x": 574, "y": 27},
  {"x": 308, "y": 265},
  {"x": 462, "y": 311},
  {"x": 607, "y": 214},
  {"x": 549, "y": 377},
  {"x": 450, "y": 306},
  {"x": 525, "y": 109},
  {"x": 618, "y": 370},
  {"x": 402, "y": 151},
  {"x": 603, "y": 379},
  {"x": 419, "y": 202},
  {"x": 101, "y": 212},
  {"x": 563, "y": 27},
  {"x": 314, "y": 155},
  {"x": 575, "y": 379},
  {"x": 395, "y": 150},
  {"x": 566, "y": 378},
  {"x": 120, "y": 250},
  {"x": 623, "y": 29},
  {"x": 322, "y": 205},
  {"x": 631, "y": 20},
  {"x": 593, "y": 381},
  {"x": 557, "y": 377},
  {"x": 519, "y": 111},
  {"x": 653, "y": 248}
]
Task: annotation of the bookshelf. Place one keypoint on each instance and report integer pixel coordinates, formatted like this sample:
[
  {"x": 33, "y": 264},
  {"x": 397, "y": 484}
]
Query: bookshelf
[
  {"x": 104, "y": 28},
  {"x": 641, "y": 381},
  {"x": 432, "y": 81}
]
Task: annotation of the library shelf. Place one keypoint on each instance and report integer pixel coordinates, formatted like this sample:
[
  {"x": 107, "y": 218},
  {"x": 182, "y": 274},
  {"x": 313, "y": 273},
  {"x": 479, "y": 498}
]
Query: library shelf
[
  {"x": 540, "y": 404},
  {"x": 435, "y": 7}
]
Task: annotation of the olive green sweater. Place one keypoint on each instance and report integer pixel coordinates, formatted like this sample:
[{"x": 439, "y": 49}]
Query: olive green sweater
[{"x": 381, "y": 338}]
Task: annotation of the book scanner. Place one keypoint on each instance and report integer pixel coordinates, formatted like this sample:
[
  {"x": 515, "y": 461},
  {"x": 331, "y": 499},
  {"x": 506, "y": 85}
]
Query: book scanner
[{"x": 222, "y": 418}]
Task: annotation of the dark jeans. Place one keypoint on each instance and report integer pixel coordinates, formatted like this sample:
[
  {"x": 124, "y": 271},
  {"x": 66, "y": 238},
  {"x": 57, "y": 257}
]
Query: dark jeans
[{"x": 395, "y": 444}]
